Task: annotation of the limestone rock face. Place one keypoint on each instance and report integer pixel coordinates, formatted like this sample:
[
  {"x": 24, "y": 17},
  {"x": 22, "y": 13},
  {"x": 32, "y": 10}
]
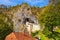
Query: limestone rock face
[{"x": 21, "y": 17}]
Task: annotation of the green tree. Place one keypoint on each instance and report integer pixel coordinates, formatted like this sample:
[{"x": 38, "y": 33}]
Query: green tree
[
  {"x": 50, "y": 18},
  {"x": 5, "y": 26}
]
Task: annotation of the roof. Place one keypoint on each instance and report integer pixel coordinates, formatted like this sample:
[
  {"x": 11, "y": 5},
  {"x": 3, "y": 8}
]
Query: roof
[{"x": 19, "y": 36}]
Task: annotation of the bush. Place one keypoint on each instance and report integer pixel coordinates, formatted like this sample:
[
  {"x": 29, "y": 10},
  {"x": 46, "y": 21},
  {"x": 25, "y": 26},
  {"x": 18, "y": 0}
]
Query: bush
[{"x": 5, "y": 28}]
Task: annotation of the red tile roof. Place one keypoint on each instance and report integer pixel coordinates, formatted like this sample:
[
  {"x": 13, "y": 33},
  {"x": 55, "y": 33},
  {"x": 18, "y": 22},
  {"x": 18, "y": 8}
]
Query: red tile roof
[{"x": 19, "y": 36}]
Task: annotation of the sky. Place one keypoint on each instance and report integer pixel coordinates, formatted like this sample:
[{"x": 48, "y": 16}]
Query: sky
[{"x": 39, "y": 3}]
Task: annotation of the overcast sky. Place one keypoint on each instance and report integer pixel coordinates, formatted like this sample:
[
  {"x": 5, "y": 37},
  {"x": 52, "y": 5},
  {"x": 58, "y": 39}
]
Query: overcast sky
[{"x": 39, "y": 3}]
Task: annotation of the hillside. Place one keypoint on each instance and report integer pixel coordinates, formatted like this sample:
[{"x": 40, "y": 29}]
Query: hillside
[{"x": 7, "y": 14}]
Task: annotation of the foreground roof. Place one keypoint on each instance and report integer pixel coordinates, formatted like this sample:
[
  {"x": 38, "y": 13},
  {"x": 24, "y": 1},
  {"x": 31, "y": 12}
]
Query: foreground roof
[{"x": 19, "y": 36}]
